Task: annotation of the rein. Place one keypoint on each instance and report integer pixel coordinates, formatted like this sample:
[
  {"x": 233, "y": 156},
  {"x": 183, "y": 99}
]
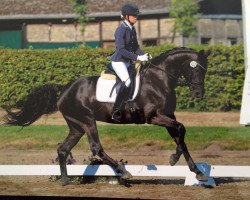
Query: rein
[{"x": 150, "y": 63}]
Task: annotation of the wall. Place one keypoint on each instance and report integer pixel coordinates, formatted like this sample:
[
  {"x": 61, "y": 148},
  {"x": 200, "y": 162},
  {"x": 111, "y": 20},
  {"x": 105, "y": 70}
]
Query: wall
[{"x": 211, "y": 31}]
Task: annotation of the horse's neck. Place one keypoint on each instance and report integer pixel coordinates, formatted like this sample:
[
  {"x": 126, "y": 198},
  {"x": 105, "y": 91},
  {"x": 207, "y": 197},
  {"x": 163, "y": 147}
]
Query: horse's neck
[{"x": 166, "y": 77}]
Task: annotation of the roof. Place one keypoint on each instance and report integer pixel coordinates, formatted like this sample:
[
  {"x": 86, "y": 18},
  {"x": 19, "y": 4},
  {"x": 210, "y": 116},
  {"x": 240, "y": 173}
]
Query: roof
[
  {"x": 14, "y": 9},
  {"x": 58, "y": 9},
  {"x": 221, "y": 7}
]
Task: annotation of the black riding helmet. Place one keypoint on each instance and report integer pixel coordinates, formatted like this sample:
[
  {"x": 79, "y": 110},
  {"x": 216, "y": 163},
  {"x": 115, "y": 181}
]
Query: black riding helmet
[{"x": 130, "y": 9}]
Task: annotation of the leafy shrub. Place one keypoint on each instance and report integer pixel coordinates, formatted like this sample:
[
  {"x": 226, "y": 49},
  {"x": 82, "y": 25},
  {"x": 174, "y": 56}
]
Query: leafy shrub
[{"x": 22, "y": 70}]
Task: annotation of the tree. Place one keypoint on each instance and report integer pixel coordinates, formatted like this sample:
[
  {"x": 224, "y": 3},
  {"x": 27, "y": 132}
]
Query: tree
[
  {"x": 80, "y": 7},
  {"x": 185, "y": 13}
]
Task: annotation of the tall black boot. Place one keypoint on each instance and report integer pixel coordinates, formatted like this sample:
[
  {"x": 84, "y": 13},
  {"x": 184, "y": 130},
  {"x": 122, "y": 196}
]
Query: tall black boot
[{"x": 122, "y": 96}]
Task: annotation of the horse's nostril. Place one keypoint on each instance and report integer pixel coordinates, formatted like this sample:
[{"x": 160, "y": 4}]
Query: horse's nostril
[{"x": 197, "y": 94}]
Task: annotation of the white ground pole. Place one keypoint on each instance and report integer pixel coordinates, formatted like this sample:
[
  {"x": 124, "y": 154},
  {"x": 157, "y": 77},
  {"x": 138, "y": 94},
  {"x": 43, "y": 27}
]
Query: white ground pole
[
  {"x": 136, "y": 170},
  {"x": 245, "y": 105}
]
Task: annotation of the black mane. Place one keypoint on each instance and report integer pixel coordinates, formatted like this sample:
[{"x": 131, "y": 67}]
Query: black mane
[{"x": 172, "y": 52}]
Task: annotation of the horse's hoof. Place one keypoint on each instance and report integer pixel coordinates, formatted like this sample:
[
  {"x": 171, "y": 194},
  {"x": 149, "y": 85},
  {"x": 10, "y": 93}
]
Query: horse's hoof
[
  {"x": 201, "y": 177},
  {"x": 124, "y": 179},
  {"x": 66, "y": 181},
  {"x": 126, "y": 176},
  {"x": 173, "y": 160}
]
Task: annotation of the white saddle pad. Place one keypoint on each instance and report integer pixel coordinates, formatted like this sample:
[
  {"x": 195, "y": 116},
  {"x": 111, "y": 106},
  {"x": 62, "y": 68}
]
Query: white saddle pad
[{"x": 104, "y": 87}]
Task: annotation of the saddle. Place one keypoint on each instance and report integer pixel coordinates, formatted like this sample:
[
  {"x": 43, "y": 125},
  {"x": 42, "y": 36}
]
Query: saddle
[
  {"x": 110, "y": 82},
  {"x": 109, "y": 73}
]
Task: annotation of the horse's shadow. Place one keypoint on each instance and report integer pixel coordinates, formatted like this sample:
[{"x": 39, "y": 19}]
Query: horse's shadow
[
  {"x": 92, "y": 169},
  {"x": 225, "y": 180},
  {"x": 157, "y": 181},
  {"x": 218, "y": 181}
]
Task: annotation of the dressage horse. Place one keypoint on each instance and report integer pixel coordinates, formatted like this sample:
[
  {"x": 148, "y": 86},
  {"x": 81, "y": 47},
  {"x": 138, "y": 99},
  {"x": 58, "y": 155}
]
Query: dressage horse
[{"x": 155, "y": 104}]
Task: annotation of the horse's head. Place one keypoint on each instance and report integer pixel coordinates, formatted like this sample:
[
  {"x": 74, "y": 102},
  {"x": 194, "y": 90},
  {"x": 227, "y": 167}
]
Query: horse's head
[
  {"x": 183, "y": 61},
  {"x": 194, "y": 70}
]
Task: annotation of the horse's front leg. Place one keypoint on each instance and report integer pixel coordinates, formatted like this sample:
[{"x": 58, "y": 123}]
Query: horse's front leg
[
  {"x": 172, "y": 124},
  {"x": 199, "y": 175},
  {"x": 174, "y": 158}
]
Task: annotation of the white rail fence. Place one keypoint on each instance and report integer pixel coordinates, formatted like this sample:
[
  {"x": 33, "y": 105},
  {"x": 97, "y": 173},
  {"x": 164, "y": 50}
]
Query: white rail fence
[{"x": 210, "y": 171}]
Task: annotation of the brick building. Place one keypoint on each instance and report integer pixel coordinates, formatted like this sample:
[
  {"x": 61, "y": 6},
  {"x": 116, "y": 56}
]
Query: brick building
[{"x": 53, "y": 24}]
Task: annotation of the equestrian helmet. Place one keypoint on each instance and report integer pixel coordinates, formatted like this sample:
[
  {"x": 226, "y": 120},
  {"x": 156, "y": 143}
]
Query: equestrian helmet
[{"x": 130, "y": 9}]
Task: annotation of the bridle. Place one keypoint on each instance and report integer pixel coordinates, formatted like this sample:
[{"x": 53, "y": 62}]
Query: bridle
[{"x": 193, "y": 64}]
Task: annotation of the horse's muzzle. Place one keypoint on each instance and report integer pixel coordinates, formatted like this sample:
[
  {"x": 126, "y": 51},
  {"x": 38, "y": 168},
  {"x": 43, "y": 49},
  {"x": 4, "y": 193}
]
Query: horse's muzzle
[{"x": 197, "y": 93}]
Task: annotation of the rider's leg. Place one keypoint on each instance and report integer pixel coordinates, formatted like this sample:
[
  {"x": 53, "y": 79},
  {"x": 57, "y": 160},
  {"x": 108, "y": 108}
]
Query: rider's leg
[
  {"x": 121, "y": 97},
  {"x": 121, "y": 69},
  {"x": 122, "y": 72}
]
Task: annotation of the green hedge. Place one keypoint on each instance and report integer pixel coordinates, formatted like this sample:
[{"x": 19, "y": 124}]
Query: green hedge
[{"x": 22, "y": 70}]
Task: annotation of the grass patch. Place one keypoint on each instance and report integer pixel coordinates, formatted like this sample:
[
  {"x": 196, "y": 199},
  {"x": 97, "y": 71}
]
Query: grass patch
[{"x": 114, "y": 137}]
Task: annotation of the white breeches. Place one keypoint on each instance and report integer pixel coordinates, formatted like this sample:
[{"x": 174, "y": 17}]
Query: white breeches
[{"x": 121, "y": 69}]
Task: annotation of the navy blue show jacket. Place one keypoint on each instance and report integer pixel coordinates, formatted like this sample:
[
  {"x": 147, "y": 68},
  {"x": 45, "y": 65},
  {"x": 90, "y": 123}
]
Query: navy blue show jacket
[{"x": 127, "y": 47}]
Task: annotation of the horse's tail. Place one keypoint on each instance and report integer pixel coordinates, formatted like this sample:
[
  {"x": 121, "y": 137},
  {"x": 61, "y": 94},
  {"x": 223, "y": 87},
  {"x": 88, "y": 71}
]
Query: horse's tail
[{"x": 42, "y": 100}]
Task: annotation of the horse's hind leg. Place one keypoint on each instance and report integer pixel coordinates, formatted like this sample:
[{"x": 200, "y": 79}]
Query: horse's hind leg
[
  {"x": 75, "y": 133},
  {"x": 97, "y": 149},
  {"x": 85, "y": 120}
]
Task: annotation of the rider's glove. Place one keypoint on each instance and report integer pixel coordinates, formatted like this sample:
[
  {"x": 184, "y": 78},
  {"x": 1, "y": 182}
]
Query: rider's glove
[
  {"x": 149, "y": 56},
  {"x": 143, "y": 58}
]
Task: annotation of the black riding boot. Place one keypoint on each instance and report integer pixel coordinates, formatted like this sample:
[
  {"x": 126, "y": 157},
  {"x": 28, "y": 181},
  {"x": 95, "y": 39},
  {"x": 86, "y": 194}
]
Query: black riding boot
[{"x": 122, "y": 96}]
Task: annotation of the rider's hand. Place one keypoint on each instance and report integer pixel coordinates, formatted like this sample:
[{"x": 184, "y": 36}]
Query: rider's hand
[
  {"x": 143, "y": 58},
  {"x": 149, "y": 56}
]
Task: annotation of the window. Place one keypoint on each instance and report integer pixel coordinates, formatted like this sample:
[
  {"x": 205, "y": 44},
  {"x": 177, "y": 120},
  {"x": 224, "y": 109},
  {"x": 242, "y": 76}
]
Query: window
[
  {"x": 107, "y": 44},
  {"x": 232, "y": 41},
  {"x": 205, "y": 40},
  {"x": 150, "y": 42}
]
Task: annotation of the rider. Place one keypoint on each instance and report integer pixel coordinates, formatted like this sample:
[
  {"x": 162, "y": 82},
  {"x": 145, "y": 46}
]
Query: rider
[{"x": 127, "y": 50}]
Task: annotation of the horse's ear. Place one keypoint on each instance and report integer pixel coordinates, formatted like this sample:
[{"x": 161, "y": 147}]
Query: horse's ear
[
  {"x": 203, "y": 53},
  {"x": 207, "y": 53}
]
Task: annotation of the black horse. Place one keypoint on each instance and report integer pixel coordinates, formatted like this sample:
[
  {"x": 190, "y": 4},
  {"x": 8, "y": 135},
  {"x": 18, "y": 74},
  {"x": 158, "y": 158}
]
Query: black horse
[{"x": 155, "y": 104}]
